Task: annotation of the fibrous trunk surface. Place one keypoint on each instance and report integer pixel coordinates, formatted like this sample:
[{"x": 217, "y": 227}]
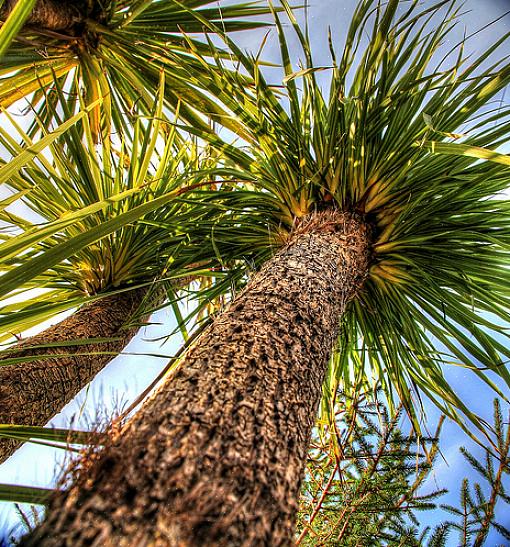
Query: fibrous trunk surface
[
  {"x": 216, "y": 456},
  {"x": 33, "y": 391},
  {"x": 55, "y": 15}
]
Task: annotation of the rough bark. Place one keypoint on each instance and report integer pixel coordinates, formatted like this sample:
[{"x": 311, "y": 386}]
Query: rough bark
[
  {"x": 55, "y": 15},
  {"x": 216, "y": 456},
  {"x": 33, "y": 391}
]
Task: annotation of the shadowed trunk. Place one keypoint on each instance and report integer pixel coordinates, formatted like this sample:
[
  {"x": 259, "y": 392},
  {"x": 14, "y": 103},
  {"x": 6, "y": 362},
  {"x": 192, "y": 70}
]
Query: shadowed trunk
[
  {"x": 33, "y": 391},
  {"x": 216, "y": 455},
  {"x": 55, "y": 15}
]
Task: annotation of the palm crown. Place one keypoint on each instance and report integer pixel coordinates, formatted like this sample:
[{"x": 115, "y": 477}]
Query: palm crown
[
  {"x": 112, "y": 50},
  {"x": 94, "y": 225},
  {"x": 401, "y": 142}
]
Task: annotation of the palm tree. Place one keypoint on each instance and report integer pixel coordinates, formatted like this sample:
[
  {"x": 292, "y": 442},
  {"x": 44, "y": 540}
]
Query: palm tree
[
  {"x": 104, "y": 58},
  {"x": 112, "y": 50},
  {"x": 117, "y": 276},
  {"x": 391, "y": 242}
]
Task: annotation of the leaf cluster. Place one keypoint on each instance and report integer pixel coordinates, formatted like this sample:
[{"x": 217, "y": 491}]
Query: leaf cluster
[{"x": 115, "y": 54}]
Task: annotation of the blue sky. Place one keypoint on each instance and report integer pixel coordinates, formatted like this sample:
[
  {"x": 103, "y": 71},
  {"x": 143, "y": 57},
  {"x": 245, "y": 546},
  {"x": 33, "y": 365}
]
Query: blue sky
[{"x": 126, "y": 376}]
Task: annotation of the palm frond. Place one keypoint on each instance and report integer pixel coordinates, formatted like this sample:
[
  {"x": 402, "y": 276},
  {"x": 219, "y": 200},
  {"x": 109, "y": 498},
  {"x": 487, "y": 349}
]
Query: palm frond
[{"x": 14, "y": 22}]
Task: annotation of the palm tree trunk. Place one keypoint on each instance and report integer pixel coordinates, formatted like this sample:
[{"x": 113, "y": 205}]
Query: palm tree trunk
[
  {"x": 33, "y": 391},
  {"x": 216, "y": 456},
  {"x": 55, "y": 15}
]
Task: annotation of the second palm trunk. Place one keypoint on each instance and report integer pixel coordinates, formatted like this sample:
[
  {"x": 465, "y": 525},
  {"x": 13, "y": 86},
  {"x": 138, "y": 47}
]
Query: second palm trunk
[
  {"x": 216, "y": 456},
  {"x": 57, "y": 363}
]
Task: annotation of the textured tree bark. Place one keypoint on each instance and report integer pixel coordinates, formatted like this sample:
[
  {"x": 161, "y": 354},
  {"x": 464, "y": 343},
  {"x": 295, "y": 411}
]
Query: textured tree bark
[
  {"x": 32, "y": 392},
  {"x": 216, "y": 456},
  {"x": 56, "y": 15}
]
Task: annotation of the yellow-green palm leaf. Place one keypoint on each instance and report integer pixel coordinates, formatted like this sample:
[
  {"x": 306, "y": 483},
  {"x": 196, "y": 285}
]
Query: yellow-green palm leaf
[{"x": 83, "y": 220}]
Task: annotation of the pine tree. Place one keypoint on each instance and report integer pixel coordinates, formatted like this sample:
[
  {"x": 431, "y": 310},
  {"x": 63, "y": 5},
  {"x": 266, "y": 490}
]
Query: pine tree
[
  {"x": 365, "y": 479},
  {"x": 364, "y": 475},
  {"x": 476, "y": 515}
]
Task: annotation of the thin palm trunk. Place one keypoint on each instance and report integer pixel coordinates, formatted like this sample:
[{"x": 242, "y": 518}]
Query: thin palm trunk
[
  {"x": 216, "y": 456},
  {"x": 33, "y": 391}
]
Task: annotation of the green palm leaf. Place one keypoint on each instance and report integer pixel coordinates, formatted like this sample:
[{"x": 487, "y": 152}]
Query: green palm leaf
[
  {"x": 14, "y": 22},
  {"x": 22, "y": 432},
  {"x": 24, "y": 494}
]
